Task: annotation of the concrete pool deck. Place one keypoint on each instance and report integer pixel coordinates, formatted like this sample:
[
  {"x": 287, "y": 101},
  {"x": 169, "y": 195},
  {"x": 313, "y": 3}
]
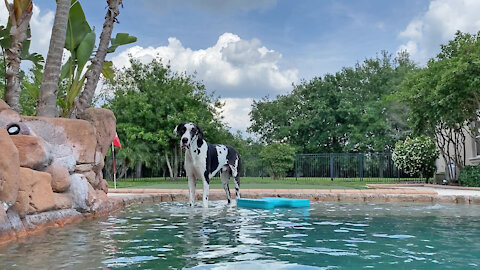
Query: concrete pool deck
[{"x": 376, "y": 193}]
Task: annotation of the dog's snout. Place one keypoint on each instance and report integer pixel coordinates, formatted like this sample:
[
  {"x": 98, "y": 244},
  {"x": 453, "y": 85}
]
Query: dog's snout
[{"x": 184, "y": 140}]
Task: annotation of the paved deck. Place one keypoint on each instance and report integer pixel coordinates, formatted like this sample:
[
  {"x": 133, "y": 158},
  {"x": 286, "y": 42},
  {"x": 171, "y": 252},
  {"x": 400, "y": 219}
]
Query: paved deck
[{"x": 376, "y": 193}]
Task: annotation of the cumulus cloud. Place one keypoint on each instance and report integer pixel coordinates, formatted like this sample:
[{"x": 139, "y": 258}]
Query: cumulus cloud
[
  {"x": 41, "y": 24},
  {"x": 233, "y": 68},
  {"x": 235, "y": 112},
  {"x": 437, "y": 25},
  {"x": 213, "y": 6}
]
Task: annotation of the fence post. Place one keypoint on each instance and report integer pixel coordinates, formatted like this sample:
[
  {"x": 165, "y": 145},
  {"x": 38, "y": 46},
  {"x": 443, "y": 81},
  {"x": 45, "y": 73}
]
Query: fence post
[
  {"x": 296, "y": 167},
  {"x": 360, "y": 162},
  {"x": 331, "y": 167}
]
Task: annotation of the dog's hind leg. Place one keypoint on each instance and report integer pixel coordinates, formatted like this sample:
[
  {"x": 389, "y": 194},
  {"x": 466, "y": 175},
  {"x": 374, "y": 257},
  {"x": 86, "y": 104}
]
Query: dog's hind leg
[
  {"x": 225, "y": 176},
  {"x": 237, "y": 186},
  {"x": 236, "y": 180}
]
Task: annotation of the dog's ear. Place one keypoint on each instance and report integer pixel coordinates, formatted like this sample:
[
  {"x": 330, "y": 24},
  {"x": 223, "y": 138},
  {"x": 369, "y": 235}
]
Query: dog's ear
[
  {"x": 175, "y": 132},
  {"x": 178, "y": 129},
  {"x": 200, "y": 136}
]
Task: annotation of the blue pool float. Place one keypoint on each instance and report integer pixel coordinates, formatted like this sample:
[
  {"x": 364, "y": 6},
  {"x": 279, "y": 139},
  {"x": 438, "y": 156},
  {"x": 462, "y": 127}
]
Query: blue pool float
[{"x": 272, "y": 202}]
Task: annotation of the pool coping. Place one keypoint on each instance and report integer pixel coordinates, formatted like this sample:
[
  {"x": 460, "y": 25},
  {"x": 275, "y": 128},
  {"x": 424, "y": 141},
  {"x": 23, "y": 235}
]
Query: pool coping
[{"x": 376, "y": 193}]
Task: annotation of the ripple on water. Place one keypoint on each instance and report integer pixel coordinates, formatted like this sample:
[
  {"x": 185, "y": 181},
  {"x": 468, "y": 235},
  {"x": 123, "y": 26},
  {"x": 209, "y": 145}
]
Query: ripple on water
[
  {"x": 260, "y": 264},
  {"x": 328, "y": 223},
  {"x": 125, "y": 261},
  {"x": 394, "y": 236},
  {"x": 176, "y": 236}
]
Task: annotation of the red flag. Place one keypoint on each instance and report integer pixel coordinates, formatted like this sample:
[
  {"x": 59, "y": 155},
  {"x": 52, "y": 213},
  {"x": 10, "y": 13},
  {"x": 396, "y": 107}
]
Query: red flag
[{"x": 116, "y": 141}]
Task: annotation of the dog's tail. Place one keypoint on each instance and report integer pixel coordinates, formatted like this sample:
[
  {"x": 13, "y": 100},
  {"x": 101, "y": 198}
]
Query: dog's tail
[{"x": 237, "y": 177}]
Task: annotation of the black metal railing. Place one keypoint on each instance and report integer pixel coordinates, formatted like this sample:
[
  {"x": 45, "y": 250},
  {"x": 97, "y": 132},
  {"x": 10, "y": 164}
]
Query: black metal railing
[
  {"x": 351, "y": 166},
  {"x": 368, "y": 167}
]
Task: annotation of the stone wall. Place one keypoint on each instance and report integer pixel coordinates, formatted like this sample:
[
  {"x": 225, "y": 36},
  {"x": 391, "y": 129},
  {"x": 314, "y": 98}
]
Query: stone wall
[{"x": 51, "y": 165}]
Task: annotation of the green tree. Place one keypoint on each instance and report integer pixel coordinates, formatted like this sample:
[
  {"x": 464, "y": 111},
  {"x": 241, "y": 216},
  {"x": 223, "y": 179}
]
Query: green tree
[
  {"x": 29, "y": 87},
  {"x": 443, "y": 98},
  {"x": 30, "y": 90},
  {"x": 278, "y": 158},
  {"x": 149, "y": 102},
  {"x": 351, "y": 111},
  {"x": 416, "y": 155}
]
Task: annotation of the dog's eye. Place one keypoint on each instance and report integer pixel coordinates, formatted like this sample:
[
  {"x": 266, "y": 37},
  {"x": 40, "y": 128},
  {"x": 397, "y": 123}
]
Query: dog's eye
[{"x": 194, "y": 130}]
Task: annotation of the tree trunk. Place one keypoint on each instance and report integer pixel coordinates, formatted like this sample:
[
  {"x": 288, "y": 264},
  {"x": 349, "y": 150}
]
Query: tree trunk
[
  {"x": 47, "y": 101},
  {"x": 123, "y": 172},
  {"x": 138, "y": 169},
  {"x": 93, "y": 73},
  {"x": 169, "y": 166},
  {"x": 176, "y": 164},
  {"x": 18, "y": 35}
]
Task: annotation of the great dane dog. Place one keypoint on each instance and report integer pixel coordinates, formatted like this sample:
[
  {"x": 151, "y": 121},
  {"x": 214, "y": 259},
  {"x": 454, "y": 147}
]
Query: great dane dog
[{"x": 203, "y": 160}]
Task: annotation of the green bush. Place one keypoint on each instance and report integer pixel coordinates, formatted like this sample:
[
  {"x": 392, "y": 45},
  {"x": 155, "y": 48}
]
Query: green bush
[
  {"x": 469, "y": 176},
  {"x": 278, "y": 158},
  {"x": 416, "y": 155}
]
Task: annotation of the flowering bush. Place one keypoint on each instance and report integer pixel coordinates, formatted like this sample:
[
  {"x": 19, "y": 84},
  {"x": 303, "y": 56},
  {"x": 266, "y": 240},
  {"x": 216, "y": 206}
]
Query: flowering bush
[{"x": 416, "y": 155}]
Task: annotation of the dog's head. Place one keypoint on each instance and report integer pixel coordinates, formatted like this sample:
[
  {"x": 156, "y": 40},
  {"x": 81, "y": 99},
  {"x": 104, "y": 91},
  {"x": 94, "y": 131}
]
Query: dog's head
[{"x": 188, "y": 133}]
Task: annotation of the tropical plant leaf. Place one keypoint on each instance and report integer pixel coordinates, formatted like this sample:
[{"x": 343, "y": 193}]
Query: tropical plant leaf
[
  {"x": 77, "y": 27},
  {"x": 120, "y": 39},
  {"x": 84, "y": 51},
  {"x": 5, "y": 39},
  {"x": 36, "y": 58},
  {"x": 21, "y": 7},
  {"x": 107, "y": 71},
  {"x": 66, "y": 69}
]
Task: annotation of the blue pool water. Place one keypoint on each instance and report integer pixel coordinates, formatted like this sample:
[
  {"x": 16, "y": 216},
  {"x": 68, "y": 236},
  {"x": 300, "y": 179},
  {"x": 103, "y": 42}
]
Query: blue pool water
[{"x": 326, "y": 236}]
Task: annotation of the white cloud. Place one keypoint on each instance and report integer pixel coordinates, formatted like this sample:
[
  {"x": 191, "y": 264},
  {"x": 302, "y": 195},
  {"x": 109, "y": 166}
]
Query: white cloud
[
  {"x": 235, "y": 113},
  {"x": 424, "y": 35},
  {"x": 41, "y": 24},
  {"x": 3, "y": 15},
  {"x": 233, "y": 68}
]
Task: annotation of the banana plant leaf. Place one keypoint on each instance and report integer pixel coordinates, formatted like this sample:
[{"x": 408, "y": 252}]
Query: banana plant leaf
[
  {"x": 120, "y": 39},
  {"x": 77, "y": 27}
]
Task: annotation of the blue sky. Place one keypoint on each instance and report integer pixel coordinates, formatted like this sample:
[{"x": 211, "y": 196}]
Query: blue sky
[{"x": 247, "y": 49}]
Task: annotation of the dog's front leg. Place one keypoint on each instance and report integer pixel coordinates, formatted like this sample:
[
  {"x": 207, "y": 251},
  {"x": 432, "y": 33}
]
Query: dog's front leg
[
  {"x": 206, "y": 190},
  {"x": 191, "y": 190}
]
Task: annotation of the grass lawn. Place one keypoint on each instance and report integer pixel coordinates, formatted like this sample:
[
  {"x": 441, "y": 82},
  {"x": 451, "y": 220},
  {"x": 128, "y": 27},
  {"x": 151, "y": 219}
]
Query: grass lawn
[{"x": 256, "y": 183}]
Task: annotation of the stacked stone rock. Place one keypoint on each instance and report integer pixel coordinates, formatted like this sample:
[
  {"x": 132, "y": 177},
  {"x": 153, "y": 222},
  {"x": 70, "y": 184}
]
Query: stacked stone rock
[{"x": 52, "y": 163}]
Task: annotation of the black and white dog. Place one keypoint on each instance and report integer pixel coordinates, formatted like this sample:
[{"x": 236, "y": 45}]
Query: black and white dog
[{"x": 203, "y": 160}]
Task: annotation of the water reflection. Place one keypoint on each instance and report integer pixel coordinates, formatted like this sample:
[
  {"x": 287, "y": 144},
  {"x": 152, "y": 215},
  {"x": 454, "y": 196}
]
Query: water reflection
[{"x": 325, "y": 236}]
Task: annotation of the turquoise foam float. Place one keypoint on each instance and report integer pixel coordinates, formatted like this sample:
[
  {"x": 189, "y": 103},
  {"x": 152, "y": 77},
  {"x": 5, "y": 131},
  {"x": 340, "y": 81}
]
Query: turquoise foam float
[{"x": 272, "y": 202}]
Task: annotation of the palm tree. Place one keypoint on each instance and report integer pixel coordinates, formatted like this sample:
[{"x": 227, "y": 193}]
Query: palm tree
[
  {"x": 47, "y": 102},
  {"x": 20, "y": 13},
  {"x": 93, "y": 74}
]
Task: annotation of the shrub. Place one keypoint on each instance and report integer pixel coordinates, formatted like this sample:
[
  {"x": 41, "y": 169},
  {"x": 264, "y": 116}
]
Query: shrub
[
  {"x": 469, "y": 176},
  {"x": 416, "y": 155},
  {"x": 278, "y": 158}
]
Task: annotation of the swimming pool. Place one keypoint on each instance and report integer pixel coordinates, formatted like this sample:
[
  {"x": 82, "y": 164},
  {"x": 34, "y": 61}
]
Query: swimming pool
[{"x": 326, "y": 236}]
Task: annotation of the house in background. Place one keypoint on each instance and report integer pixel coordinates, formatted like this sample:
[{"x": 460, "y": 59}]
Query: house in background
[{"x": 469, "y": 152}]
